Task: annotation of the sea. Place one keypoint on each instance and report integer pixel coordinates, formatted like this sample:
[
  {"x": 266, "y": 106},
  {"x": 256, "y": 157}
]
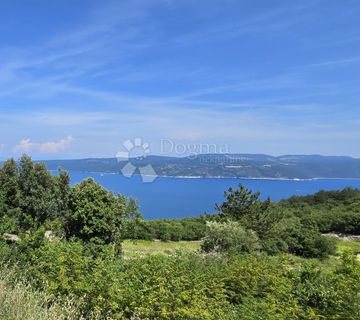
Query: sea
[{"x": 169, "y": 198}]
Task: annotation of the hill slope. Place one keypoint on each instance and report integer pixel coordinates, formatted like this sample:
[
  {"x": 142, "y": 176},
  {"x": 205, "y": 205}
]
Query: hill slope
[{"x": 228, "y": 165}]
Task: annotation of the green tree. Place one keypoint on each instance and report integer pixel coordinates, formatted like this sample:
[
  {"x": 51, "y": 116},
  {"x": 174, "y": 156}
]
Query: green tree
[
  {"x": 9, "y": 183},
  {"x": 243, "y": 205},
  {"x": 96, "y": 215},
  {"x": 37, "y": 199},
  {"x": 133, "y": 221},
  {"x": 63, "y": 190}
]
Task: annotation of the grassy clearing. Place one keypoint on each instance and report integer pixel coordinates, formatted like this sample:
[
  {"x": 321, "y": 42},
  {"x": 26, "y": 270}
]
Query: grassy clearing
[
  {"x": 348, "y": 245},
  {"x": 141, "y": 247}
]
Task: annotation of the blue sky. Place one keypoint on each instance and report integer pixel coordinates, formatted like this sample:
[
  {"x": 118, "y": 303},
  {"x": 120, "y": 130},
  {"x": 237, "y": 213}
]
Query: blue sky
[{"x": 77, "y": 78}]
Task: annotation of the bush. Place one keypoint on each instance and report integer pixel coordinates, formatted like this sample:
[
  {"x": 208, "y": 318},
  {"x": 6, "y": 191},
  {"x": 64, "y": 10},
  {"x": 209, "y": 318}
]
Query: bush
[
  {"x": 190, "y": 285},
  {"x": 20, "y": 301},
  {"x": 297, "y": 236},
  {"x": 229, "y": 237},
  {"x": 160, "y": 287},
  {"x": 188, "y": 229},
  {"x": 334, "y": 295},
  {"x": 63, "y": 266},
  {"x": 278, "y": 228}
]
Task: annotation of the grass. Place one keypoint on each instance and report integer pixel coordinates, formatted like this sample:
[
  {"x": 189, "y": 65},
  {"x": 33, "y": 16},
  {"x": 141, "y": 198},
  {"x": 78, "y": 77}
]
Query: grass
[
  {"x": 19, "y": 301},
  {"x": 138, "y": 248},
  {"x": 142, "y": 247},
  {"x": 348, "y": 245}
]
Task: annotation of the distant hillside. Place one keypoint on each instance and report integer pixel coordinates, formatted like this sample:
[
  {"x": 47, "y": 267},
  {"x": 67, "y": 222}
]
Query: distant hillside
[{"x": 228, "y": 165}]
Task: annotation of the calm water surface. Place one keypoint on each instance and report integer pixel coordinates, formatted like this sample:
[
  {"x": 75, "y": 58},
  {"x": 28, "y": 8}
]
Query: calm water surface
[{"x": 181, "y": 197}]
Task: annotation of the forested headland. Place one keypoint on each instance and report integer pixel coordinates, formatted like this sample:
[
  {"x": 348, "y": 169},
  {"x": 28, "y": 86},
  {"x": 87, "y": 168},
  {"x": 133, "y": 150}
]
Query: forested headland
[
  {"x": 62, "y": 256},
  {"x": 226, "y": 165}
]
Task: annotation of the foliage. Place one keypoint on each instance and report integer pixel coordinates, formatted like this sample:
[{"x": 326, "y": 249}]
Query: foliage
[
  {"x": 31, "y": 198},
  {"x": 252, "y": 276},
  {"x": 333, "y": 211},
  {"x": 18, "y": 301},
  {"x": 95, "y": 214},
  {"x": 188, "y": 285},
  {"x": 187, "y": 229},
  {"x": 37, "y": 201},
  {"x": 243, "y": 205},
  {"x": 229, "y": 237},
  {"x": 279, "y": 230},
  {"x": 133, "y": 223},
  {"x": 333, "y": 296}
]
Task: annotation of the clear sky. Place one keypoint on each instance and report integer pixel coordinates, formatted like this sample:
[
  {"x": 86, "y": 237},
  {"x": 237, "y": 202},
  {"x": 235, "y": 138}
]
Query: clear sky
[{"x": 77, "y": 78}]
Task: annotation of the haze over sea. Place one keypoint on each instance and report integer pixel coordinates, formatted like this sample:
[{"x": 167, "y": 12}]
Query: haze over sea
[{"x": 184, "y": 197}]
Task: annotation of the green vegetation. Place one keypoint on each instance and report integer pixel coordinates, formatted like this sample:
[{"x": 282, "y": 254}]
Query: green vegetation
[
  {"x": 348, "y": 246},
  {"x": 271, "y": 227},
  {"x": 132, "y": 248},
  {"x": 333, "y": 211},
  {"x": 168, "y": 229},
  {"x": 328, "y": 211},
  {"x": 230, "y": 238},
  {"x": 257, "y": 259},
  {"x": 20, "y": 301},
  {"x": 142, "y": 247}
]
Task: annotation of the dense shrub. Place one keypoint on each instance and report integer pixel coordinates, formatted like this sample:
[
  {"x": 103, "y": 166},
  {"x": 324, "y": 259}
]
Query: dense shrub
[
  {"x": 327, "y": 198},
  {"x": 229, "y": 237},
  {"x": 333, "y": 211},
  {"x": 165, "y": 287},
  {"x": 278, "y": 229},
  {"x": 331, "y": 296},
  {"x": 18, "y": 300},
  {"x": 187, "y": 229},
  {"x": 297, "y": 236},
  {"x": 188, "y": 285},
  {"x": 340, "y": 220}
]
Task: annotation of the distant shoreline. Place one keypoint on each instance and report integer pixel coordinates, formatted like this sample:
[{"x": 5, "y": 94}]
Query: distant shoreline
[
  {"x": 215, "y": 177},
  {"x": 227, "y": 166}
]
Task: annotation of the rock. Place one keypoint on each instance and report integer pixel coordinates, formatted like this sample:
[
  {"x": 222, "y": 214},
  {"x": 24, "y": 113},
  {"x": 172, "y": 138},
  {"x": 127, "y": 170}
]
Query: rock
[
  {"x": 50, "y": 235},
  {"x": 11, "y": 237},
  {"x": 343, "y": 236}
]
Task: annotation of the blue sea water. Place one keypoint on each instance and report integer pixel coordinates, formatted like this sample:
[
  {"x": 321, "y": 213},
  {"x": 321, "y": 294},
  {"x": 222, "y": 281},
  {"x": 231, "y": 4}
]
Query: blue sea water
[{"x": 184, "y": 197}]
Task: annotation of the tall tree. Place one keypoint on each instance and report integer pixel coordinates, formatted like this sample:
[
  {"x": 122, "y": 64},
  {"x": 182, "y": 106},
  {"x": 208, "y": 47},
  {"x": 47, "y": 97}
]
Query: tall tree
[
  {"x": 243, "y": 205},
  {"x": 63, "y": 192},
  {"x": 95, "y": 214},
  {"x": 37, "y": 202},
  {"x": 9, "y": 183}
]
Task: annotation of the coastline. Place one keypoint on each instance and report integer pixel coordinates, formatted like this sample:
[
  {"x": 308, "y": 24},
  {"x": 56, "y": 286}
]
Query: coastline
[{"x": 215, "y": 177}]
